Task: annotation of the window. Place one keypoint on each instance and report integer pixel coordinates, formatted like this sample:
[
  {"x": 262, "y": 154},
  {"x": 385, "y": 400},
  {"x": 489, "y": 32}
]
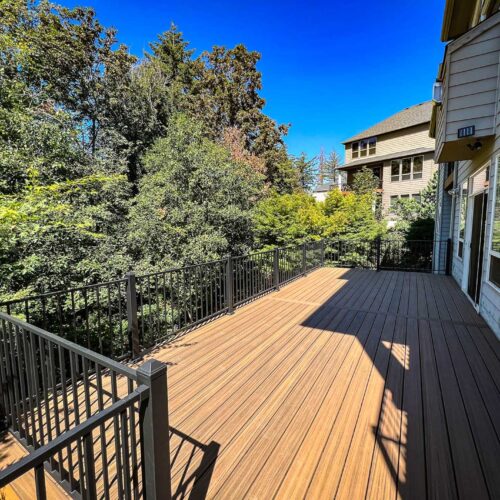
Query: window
[
  {"x": 364, "y": 147},
  {"x": 418, "y": 164},
  {"x": 416, "y": 197},
  {"x": 395, "y": 168},
  {"x": 494, "y": 271},
  {"x": 394, "y": 199},
  {"x": 406, "y": 169},
  {"x": 463, "y": 214},
  {"x": 403, "y": 196},
  {"x": 372, "y": 145}
]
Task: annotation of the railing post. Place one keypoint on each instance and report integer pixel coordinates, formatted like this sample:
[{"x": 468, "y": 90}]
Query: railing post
[
  {"x": 133, "y": 323},
  {"x": 276, "y": 267},
  {"x": 378, "y": 252},
  {"x": 230, "y": 285},
  {"x": 154, "y": 428},
  {"x": 449, "y": 255},
  {"x": 304, "y": 258},
  {"x": 322, "y": 253}
]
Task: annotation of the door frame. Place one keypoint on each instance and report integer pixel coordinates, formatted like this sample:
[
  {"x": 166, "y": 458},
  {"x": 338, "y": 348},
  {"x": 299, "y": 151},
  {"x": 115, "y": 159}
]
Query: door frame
[{"x": 468, "y": 234}]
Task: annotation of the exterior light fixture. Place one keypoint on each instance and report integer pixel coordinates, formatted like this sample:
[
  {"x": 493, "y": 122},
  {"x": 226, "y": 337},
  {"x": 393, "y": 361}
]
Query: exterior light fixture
[{"x": 476, "y": 146}]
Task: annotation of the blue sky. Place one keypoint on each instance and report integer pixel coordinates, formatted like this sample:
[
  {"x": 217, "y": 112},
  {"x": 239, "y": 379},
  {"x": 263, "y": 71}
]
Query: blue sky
[{"x": 330, "y": 68}]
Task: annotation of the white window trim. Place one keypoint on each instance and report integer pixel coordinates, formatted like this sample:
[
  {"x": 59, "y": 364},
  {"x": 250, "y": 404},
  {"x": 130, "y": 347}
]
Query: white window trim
[
  {"x": 461, "y": 259},
  {"x": 489, "y": 251}
]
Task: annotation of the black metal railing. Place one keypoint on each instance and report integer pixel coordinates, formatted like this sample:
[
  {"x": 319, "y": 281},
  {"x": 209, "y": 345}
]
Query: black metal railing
[
  {"x": 123, "y": 318},
  {"x": 101, "y": 427},
  {"x": 94, "y": 423}
]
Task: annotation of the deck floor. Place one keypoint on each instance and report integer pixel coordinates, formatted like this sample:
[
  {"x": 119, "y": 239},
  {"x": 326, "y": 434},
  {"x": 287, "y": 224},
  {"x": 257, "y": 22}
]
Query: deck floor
[{"x": 346, "y": 384}]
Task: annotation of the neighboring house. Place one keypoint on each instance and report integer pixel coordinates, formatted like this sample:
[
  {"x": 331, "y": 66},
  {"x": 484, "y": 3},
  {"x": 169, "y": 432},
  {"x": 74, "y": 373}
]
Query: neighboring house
[
  {"x": 321, "y": 191},
  {"x": 398, "y": 150},
  {"x": 465, "y": 124}
]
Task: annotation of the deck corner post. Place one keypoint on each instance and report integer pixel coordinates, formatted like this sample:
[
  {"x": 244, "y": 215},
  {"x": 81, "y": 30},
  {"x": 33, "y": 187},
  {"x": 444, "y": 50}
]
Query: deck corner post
[
  {"x": 449, "y": 256},
  {"x": 322, "y": 253},
  {"x": 230, "y": 285},
  {"x": 133, "y": 323},
  {"x": 154, "y": 428},
  {"x": 378, "y": 251},
  {"x": 304, "y": 259},
  {"x": 276, "y": 267}
]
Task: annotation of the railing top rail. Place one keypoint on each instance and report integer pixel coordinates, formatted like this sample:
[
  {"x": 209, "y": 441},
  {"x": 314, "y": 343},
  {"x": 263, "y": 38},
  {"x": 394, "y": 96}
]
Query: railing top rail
[
  {"x": 42, "y": 454},
  {"x": 63, "y": 292},
  {"x": 182, "y": 268},
  {"x": 70, "y": 346}
]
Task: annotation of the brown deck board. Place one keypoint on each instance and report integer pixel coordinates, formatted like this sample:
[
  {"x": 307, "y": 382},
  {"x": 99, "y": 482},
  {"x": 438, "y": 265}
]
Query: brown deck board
[{"x": 346, "y": 383}]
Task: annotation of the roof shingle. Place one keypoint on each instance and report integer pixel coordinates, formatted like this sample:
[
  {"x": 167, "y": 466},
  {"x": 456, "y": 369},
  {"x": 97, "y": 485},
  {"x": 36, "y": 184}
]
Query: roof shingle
[{"x": 408, "y": 117}]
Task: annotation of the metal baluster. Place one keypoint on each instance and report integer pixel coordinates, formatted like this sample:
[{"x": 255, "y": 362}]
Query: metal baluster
[
  {"x": 104, "y": 452},
  {"x": 76, "y": 409},
  {"x": 116, "y": 425},
  {"x": 65, "y": 405}
]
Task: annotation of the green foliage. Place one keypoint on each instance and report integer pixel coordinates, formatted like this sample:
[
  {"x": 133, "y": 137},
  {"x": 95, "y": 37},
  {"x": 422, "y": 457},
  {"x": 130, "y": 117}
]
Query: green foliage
[
  {"x": 415, "y": 219},
  {"x": 109, "y": 162},
  {"x": 351, "y": 215},
  {"x": 365, "y": 181},
  {"x": 306, "y": 171},
  {"x": 295, "y": 218},
  {"x": 195, "y": 202},
  {"x": 289, "y": 218}
]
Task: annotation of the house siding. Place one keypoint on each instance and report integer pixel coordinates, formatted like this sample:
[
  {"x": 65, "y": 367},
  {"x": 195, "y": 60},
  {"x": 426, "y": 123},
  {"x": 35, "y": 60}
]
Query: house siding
[
  {"x": 489, "y": 302},
  {"x": 470, "y": 81},
  {"x": 412, "y": 186},
  {"x": 394, "y": 143}
]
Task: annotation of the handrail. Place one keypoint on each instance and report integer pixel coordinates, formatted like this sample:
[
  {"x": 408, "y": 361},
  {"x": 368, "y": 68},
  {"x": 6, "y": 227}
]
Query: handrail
[
  {"x": 71, "y": 346},
  {"x": 42, "y": 454}
]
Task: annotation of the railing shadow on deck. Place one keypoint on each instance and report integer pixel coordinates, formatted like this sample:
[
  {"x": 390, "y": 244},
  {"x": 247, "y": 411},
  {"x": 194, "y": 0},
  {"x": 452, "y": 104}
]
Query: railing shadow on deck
[{"x": 195, "y": 482}]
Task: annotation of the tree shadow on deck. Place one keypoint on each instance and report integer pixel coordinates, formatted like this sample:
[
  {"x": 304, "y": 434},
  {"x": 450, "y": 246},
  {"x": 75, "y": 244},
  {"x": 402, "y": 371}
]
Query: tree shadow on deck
[{"x": 194, "y": 483}]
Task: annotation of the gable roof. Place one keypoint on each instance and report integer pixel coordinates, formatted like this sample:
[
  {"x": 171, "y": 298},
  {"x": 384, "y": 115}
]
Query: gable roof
[{"x": 408, "y": 117}]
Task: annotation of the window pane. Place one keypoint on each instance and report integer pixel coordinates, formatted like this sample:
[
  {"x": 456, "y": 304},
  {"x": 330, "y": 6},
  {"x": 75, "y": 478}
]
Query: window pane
[
  {"x": 460, "y": 249},
  {"x": 395, "y": 170},
  {"x": 406, "y": 169},
  {"x": 363, "y": 145},
  {"x": 495, "y": 240},
  {"x": 416, "y": 197},
  {"x": 463, "y": 209},
  {"x": 372, "y": 145},
  {"x": 405, "y": 196},
  {"x": 418, "y": 163},
  {"x": 394, "y": 199},
  {"x": 355, "y": 146},
  {"x": 495, "y": 270}
]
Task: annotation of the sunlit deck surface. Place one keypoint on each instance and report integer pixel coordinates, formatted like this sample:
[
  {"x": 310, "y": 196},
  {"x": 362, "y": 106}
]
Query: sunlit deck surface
[{"x": 346, "y": 383}]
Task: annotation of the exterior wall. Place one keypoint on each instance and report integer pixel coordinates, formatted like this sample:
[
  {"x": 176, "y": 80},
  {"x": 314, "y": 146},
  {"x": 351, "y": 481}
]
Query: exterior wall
[
  {"x": 443, "y": 228},
  {"x": 412, "y": 186},
  {"x": 394, "y": 142},
  {"x": 320, "y": 196},
  {"x": 469, "y": 82},
  {"x": 489, "y": 302}
]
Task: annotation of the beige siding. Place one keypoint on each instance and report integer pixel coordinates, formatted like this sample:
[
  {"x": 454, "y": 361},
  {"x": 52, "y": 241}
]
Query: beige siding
[
  {"x": 405, "y": 140},
  {"x": 396, "y": 142},
  {"x": 412, "y": 186},
  {"x": 470, "y": 83},
  {"x": 489, "y": 304}
]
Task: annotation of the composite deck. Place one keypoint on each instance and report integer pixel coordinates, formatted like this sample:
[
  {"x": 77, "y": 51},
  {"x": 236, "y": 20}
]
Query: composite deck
[{"x": 345, "y": 383}]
